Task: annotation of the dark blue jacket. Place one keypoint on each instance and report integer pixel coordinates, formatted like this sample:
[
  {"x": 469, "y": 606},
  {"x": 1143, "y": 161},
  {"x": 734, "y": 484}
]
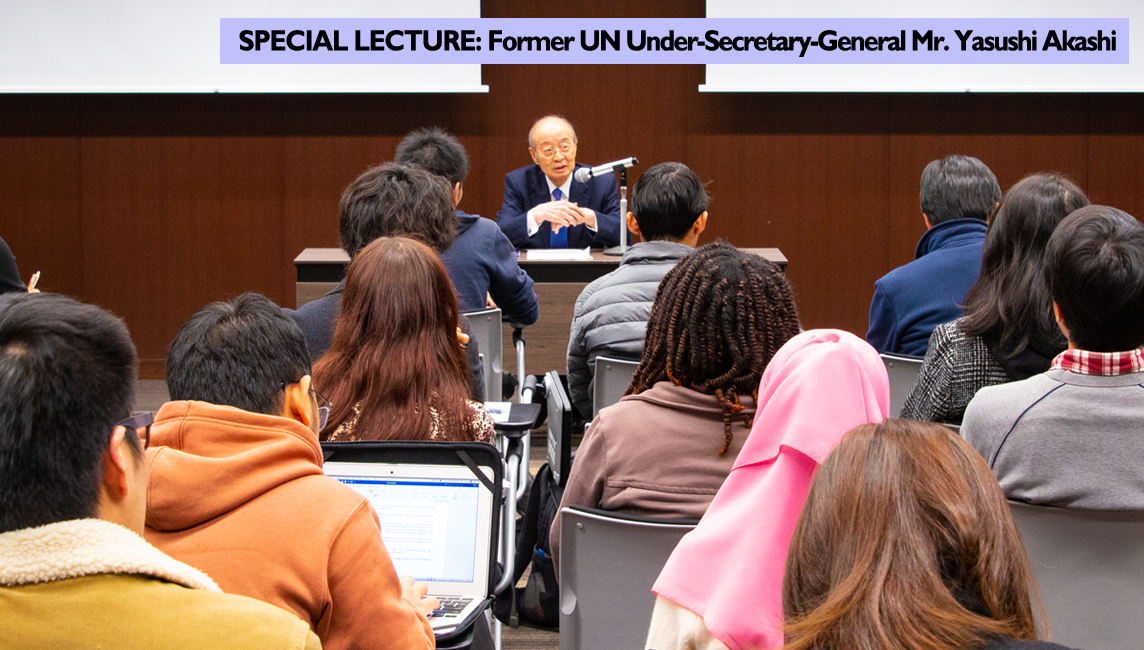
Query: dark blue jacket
[
  {"x": 482, "y": 260},
  {"x": 913, "y": 299},
  {"x": 526, "y": 188},
  {"x": 317, "y": 318},
  {"x": 10, "y": 279}
]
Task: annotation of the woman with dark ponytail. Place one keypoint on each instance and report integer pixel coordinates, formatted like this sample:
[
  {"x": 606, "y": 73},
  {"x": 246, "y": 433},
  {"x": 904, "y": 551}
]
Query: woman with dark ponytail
[{"x": 665, "y": 448}]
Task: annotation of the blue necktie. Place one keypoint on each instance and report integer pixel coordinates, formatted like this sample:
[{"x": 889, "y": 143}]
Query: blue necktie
[{"x": 557, "y": 239}]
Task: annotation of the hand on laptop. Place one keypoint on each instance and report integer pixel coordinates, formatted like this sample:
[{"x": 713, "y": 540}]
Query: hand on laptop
[{"x": 415, "y": 592}]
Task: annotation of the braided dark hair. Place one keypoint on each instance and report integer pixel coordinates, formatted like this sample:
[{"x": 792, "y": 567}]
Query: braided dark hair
[{"x": 718, "y": 318}]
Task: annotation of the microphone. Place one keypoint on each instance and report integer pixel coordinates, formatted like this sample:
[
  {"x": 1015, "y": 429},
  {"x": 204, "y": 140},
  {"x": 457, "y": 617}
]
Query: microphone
[{"x": 584, "y": 174}]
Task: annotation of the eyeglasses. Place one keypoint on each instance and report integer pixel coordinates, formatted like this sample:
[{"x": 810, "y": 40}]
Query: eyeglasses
[
  {"x": 549, "y": 151},
  {"x": 139, "y": 421},
  {"x": 324, "y": 406}
]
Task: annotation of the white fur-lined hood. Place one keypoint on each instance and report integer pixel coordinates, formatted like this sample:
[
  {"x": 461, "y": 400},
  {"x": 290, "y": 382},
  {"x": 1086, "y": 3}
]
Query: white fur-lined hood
[{"x": 82, "y": 547}]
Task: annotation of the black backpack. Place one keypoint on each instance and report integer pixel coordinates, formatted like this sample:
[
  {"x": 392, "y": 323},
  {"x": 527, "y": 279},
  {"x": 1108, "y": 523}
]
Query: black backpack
[{"x": 539, "y": 600}]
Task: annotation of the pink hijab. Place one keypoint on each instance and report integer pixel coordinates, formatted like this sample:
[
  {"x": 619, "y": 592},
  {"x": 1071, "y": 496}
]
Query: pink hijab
[{"x": 729, "y": 570}]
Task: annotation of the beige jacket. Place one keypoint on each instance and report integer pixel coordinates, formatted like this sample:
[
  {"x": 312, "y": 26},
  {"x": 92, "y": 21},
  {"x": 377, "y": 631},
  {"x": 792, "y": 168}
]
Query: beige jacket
[{"x": 88, "y": 583}]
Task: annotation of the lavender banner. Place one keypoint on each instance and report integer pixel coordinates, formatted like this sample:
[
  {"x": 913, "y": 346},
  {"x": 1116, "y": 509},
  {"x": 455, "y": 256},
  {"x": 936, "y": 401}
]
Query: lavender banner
[{"x": 676, "y": 40}]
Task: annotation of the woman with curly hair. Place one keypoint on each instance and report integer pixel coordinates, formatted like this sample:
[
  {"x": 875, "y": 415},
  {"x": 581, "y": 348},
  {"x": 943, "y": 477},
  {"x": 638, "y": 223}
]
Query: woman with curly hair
[{"x": 665, "y": 448}]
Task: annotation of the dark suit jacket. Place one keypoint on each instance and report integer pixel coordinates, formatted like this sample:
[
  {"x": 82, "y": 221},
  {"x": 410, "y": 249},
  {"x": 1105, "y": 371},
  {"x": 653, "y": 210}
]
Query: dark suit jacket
[
  {"x": 526, "y": 188},
  {"x": 316, "y": 320}
]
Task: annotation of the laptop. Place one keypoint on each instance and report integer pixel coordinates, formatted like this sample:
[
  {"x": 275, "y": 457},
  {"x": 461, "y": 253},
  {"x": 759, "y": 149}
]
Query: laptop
[{"x": 437, "y": 524}]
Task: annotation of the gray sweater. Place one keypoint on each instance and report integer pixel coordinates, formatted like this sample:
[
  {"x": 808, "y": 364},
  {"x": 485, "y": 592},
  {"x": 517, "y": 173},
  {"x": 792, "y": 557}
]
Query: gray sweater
[{"x": 1064, "y": 439}]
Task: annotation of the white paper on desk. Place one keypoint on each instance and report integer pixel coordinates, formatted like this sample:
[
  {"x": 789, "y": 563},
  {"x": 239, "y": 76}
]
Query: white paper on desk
[
  {"x": 499, "y": 411},
  {"x": 557, "y": 254}
]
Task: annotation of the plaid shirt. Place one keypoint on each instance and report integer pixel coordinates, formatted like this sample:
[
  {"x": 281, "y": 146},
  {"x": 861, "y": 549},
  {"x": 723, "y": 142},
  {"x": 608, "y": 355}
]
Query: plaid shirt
[{"x": 1107, "y": 364}]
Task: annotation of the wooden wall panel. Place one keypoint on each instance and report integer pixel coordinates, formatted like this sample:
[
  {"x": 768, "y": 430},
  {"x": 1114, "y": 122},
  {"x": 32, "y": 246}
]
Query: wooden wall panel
[
  {"x": 182, "y": 201},
  {"x": 39, "y": 189},
  {"x": 806, "y": 174},
  {"x": 1116, "y": 152}
]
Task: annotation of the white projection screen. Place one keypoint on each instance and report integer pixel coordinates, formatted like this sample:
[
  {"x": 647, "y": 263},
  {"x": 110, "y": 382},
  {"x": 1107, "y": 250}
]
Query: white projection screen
[
  {"x": 157, "y": 46},
  {"x": 926, "y": 77}
]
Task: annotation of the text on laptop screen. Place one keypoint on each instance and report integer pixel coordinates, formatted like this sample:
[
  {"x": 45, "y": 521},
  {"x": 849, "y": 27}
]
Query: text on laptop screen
[{"x": 429, "y": 525}]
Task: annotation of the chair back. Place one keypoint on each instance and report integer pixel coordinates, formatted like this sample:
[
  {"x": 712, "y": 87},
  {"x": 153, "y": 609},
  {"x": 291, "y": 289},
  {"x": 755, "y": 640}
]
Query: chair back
[
  {"x": 1089, "y": 566},
  {"x": 608, "y": 564},
  {"x": 903, "y": 372},
  {"x": 612, "y": 377},
  {"x": 486, "y": 328}
]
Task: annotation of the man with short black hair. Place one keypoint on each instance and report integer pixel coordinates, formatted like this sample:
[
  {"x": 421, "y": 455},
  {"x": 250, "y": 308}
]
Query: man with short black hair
[
  {"x": 958, "y": 197},
  {"x": 669, "y": 212},
  {"x": 482, "y": 261},
  {"x": 74, "y": 569},
  {"x": 1074, "y": 436},
  {"x": 237, "y": 487},
  {"x": 385, "y": 201}
]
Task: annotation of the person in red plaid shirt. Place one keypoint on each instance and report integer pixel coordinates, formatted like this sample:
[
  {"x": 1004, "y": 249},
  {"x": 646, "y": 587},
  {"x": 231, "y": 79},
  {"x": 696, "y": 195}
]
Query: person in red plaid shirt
[{"x": 1074, "y": 436}]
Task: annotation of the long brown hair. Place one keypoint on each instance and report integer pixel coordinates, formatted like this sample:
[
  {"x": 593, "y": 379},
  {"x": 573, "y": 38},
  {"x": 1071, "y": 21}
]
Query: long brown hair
[
  {"x": 395, "y": 351},
  {"x": 718, "y": 318},
  {"x": 906, "y": 542}
]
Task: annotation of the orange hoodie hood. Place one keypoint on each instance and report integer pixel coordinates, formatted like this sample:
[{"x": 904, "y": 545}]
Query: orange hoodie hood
[{"x": 206, "y": 460}]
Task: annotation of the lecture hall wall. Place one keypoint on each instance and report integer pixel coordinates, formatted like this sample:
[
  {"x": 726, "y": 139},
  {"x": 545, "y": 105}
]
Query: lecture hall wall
[{"x": 154, "y": 205}]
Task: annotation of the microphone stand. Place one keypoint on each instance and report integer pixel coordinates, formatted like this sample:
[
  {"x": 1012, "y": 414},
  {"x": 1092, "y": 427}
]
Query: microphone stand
[{"x": 623, "y": 247}]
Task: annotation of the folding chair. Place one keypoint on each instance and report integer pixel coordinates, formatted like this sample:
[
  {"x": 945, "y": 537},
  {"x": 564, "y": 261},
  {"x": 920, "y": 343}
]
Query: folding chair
[
  {"x": 1089, "y": 566},
  {"x": 486, "y": 328},
  {"x": 608, "y": 563},
  {"x": 903, "y": 372},
  {"x": 612, "y": 378}
]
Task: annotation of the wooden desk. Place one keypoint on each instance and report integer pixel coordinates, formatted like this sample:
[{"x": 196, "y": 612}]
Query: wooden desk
[{"x": 557, "y": 285}]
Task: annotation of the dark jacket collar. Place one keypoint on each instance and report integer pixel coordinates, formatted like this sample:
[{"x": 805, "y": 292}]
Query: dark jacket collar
[{"x": 947, "y": 234}]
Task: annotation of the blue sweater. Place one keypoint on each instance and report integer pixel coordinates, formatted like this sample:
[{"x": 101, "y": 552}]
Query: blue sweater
[
  {"x": 910, "y": 301},
  {"x": 482, "y": 260}
]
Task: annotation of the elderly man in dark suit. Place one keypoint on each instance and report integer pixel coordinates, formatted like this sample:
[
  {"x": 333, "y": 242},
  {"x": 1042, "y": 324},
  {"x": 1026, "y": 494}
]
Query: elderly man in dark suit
[{"x": 544, "y": 207}]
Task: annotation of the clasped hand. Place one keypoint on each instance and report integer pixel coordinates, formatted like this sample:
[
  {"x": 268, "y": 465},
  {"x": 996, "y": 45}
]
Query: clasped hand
[{"x": 563, "y": 214}]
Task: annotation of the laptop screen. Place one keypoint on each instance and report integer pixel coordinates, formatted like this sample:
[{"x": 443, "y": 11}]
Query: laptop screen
[{"x": 431, "y": 524}]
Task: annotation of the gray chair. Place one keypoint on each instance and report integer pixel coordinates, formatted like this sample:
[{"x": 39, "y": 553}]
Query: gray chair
[
  {"x": 903, "y": 372},
  {"x": 612, "y": 377},
  {"x": 486, "y": 328},
  {"x": 1089, "y": 566},
  {"x": 608, "y": 563}
]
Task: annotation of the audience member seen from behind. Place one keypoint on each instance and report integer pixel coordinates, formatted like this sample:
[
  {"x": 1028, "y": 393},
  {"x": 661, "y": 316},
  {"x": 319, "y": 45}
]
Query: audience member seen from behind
[
  {"x": 669, "y": 211},
  {"x": 721, "y": 587},
  {"x": 958, "y": 195},
  {"x": 73, "y": 493},
  {"x": 1008, "y": 332},
  {"x": 237, "y": 487},
  {"x": 10, "y": 280},
  {"x": 665, "y": 448},
  {"x": 481, "y": 261},
  {"x": 387, "y": 201},
  {"x": 906, "y": 543},
  {"x": 396, "y": 369},
  {"x": 1070, "y": 437}
]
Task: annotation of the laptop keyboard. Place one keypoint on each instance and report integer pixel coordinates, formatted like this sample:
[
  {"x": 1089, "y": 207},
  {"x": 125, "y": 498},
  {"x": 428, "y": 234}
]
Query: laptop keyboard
[{"x": 450, "y": 606}]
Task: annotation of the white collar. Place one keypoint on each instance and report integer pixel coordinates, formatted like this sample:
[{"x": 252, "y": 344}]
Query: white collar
[
  {"x": 564, "y": 189},
  {"x": 82, "y": 547}
]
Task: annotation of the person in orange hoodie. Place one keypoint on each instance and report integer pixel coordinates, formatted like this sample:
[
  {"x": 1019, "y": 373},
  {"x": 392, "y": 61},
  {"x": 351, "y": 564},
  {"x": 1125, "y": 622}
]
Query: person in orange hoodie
[{"x": 237, "y": 489}]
